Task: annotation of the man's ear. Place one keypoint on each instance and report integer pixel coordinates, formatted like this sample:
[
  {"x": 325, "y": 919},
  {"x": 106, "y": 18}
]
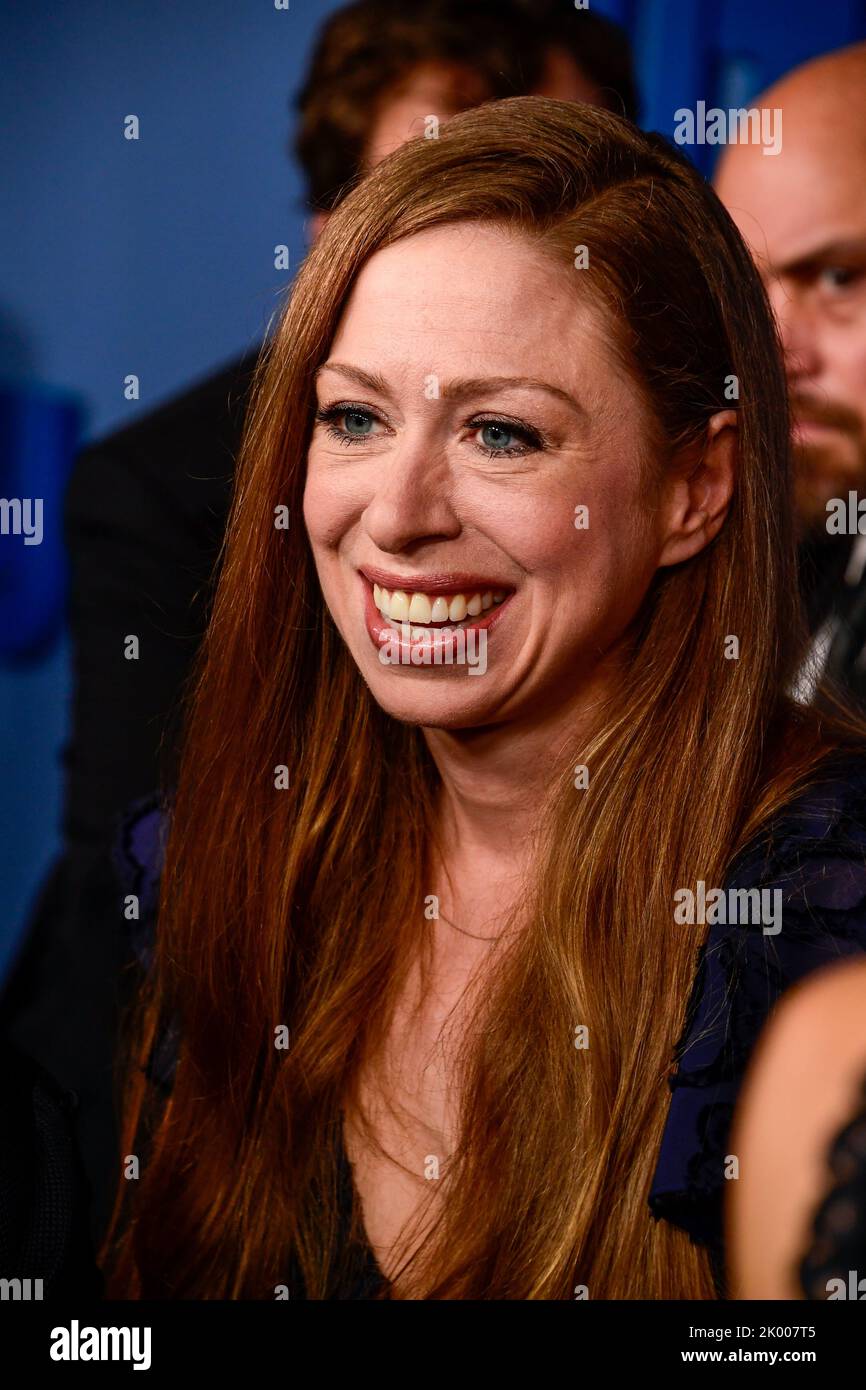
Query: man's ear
[
  {"x": 699, "y": 490},
  {"x": 315, "y": 223}
]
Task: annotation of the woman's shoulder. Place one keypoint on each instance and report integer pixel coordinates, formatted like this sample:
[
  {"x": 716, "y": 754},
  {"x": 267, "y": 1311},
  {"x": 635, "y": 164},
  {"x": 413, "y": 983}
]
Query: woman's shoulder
[
  {"x": 809, "y": 866},
  {"x": 794, "y": 901},
  {"x": 827, "y": 818}
]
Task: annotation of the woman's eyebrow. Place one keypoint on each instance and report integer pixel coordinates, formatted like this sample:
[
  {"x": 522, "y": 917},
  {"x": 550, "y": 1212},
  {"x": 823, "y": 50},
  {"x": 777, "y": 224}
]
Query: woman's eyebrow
[
  {"x": 372, "y": 381},
  {"x": 475, "y": 386},
  {"x": 460, "y": 387}
]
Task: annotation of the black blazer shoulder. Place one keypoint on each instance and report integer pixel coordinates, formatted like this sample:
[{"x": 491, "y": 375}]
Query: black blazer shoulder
[
  {"x": 44, "y": 1195},
  {"x": 172, "y": 466}
]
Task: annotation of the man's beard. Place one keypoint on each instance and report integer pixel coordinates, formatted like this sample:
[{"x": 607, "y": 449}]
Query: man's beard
[{"x": 826, "y": 470}]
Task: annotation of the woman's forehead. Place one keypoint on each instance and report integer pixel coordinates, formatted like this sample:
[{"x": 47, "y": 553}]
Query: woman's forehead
[{"x": 471, "y": 298}]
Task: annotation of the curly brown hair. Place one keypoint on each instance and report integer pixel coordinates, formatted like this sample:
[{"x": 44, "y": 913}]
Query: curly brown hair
[{"x": 367, "y": 50}]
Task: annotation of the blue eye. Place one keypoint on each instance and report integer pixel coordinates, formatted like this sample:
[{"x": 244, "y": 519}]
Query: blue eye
[
  {"x": 349, "y": 424},
  {"x": 496, "y": 436},
  {"x": 501, "y": 438},
  {"x": 356, "y": 422}
]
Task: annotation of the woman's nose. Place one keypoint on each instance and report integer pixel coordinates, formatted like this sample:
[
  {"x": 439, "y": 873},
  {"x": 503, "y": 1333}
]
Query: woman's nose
[{"x": 413, "y": 500}]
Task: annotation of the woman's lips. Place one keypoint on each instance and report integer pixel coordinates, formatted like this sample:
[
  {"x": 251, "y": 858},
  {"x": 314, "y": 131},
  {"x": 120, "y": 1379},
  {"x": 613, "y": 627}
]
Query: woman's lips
[
  {"x": 382, "y": 630},
  {"x": 451, "y": 582}
]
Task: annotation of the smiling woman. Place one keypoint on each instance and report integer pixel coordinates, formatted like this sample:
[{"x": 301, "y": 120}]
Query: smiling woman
[
  {"x": 485, "y": 471},
  {"x": 475, "y": 951}
]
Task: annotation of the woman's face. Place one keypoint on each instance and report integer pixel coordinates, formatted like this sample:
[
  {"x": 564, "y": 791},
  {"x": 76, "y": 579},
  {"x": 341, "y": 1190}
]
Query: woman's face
[{"x": 470, "y": 405}]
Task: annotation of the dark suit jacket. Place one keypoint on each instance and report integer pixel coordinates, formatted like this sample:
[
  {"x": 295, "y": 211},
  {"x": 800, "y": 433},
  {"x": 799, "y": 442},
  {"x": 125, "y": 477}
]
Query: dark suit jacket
[
  {"x": 145, "y": 516},
  {"x": 44, "y": 1233}
]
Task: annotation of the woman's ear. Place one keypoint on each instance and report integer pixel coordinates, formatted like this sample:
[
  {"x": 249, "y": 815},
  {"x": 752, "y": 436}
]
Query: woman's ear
[{"x": 699, "y": 490}]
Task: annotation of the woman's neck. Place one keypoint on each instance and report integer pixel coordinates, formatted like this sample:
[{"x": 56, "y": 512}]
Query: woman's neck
[{"x": 496, "y": 780}]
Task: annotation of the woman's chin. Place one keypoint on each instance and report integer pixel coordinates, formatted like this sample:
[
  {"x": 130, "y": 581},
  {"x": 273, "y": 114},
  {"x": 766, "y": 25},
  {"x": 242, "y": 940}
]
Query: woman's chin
[{"x": 455, "y": 706}]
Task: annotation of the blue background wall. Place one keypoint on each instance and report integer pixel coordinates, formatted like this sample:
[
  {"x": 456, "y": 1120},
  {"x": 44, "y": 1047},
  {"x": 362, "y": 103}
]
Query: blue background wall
[{"x": 156, "y": 256}]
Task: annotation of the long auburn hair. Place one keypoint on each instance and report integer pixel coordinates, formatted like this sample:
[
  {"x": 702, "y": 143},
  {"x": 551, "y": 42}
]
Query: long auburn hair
[{"x": 282, "y": 906}]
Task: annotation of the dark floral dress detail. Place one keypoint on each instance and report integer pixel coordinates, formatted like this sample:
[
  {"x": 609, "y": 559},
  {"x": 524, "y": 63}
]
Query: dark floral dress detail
[
  {"x": 838, "y": 1249},
  {"x": 814, "y": 854}
]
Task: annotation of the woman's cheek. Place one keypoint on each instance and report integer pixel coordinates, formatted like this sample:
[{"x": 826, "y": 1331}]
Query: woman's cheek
[{"x": 328, "y": 506}]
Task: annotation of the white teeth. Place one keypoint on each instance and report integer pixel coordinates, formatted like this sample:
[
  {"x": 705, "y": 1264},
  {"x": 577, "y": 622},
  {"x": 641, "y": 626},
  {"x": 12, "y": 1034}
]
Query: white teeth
[
  {"x": 421, "y": 608},
  {"x": 398, "y": 608}
]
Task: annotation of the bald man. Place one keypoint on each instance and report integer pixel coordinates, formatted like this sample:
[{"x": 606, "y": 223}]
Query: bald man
[{"x": 803, "y": 214}]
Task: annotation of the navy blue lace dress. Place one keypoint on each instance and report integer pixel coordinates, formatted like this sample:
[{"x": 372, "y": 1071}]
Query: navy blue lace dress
[
  {"x": 834, "y": 1265},
  {"x": 813, "y": 856}
]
